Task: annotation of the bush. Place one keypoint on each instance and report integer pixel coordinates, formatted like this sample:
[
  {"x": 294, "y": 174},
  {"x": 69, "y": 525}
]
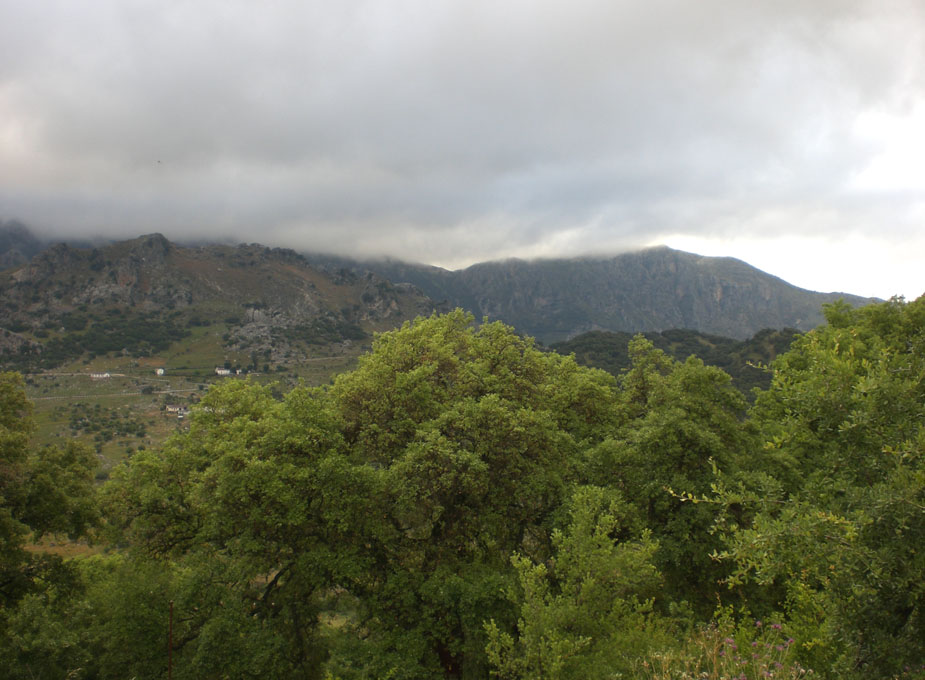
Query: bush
[{"x": 719, "y": 652}]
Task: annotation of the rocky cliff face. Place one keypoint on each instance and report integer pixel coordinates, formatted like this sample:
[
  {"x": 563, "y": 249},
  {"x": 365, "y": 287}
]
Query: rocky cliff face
[
  {"x": 267, "y": 297},
  {"x": 150, "y": 273},
  {"x": 651, "y": 290}
]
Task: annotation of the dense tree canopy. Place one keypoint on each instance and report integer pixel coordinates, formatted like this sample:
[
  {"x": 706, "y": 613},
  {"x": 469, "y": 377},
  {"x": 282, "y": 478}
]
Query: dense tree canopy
[
  {"x": 464, "y": 505},
  {"x": 45, "y": 491},
  {"x": 844, "y": 525},
  {"x": 41, "y": 491}
]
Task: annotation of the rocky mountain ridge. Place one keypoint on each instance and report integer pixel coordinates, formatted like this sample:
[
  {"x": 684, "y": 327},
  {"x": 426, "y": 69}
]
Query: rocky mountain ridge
[
  {"x": 553, "y": 300},
  {"x": 268, "y": 298},
  {"x": 647, "y": 291}
]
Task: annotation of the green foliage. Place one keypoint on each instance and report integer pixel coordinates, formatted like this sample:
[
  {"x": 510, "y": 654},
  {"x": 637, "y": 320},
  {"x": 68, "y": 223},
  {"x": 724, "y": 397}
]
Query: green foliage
[
  {"x": 45, "y": 636},
  {"x": 247, "y": 504},
  {"x": 59, "y": 494},
  {"x": 463, "y": 505},
  {"x": 844, "y": 422},
  {"x": 585, "y": 613},
  {"x": 102, "y": 423},
  {"x": 324, "y": 330},
  {"x": 15, "y": 428},
  {"x": 46, "y": 491},
  {"x": 100, "y": 333},
  {"x": 742, "y": 360},
  {"x": 724, "y": 651},
  {"x": 471, "y": 437},
  {"x": 680, "y": 424}
]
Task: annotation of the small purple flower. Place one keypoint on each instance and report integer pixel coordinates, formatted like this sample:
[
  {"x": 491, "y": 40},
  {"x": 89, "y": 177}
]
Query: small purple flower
[
  {"x": 776, "y": 626},
  {"x": 757, "y": 624}
]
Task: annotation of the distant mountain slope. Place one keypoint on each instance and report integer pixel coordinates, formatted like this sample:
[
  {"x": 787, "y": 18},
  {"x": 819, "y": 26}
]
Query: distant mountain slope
[
  {"x": 651, "y": 290},
  {"x": 17, "y": 244},
  {"x": 552, "y": 300},
  {"x": 138, "y": 296}
]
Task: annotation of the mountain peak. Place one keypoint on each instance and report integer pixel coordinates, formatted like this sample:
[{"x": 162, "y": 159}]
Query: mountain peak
[{"x": 654, "y": 289}]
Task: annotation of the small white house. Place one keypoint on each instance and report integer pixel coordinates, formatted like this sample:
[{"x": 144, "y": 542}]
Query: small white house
[
  {"x": 158, "y": 371},
  {"x": 222, "y": 371},
  {"x": 100, "y": 376}
]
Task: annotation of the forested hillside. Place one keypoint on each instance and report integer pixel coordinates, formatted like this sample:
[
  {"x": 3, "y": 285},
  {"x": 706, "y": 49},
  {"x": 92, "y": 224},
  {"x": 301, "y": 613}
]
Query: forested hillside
[
  {"x": 463, "y": 505},
  {"x": 744, "y": 360}
]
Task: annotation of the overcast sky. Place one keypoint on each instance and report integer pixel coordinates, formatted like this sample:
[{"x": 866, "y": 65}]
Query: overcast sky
[{"x": 788, "y": 133}]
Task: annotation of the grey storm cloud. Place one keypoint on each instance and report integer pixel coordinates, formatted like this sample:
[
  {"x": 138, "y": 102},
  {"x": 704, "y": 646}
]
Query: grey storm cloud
[{"x": 449, "y": 131}]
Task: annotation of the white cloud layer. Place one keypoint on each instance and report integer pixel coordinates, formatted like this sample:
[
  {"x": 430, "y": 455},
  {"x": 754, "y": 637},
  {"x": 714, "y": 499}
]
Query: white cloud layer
[{"x": 457, "y": 131}]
